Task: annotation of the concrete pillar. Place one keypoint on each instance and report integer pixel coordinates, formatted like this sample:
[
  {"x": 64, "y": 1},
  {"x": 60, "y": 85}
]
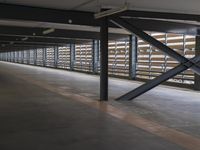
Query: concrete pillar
[
  {"x": 132, "y": 56},
  {"x": 197, "y": 53},
  {"x": 104, "y": 60}
]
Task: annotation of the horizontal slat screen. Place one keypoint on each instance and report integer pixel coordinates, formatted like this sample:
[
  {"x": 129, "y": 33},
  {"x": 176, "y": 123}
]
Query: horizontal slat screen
[
  {"x": 64, "y": 57},
  {"x": 50, "y": 57},
  {"x": 83, "y": 57},
  {"x": 31, "y": 59},
  {"x": 118, "y": 58},
  {"x": 153, "y": 62},
  {"x": 39, "y": 58},
  {"x": 26, "y": 58}
]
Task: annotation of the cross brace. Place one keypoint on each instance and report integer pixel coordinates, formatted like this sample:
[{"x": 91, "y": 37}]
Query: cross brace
[
  {"x": 159, "y": 45},
  {"x": 184, "y": 62},
  {"x": 160, "y": 79}
]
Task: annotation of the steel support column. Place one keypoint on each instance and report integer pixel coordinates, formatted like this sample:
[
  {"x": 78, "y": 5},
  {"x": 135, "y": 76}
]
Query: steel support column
[
  {"x": 44, "y": 56},
  {"x": 22, "y": 56},
  {"x": 35, "y": 57},
  {"x": 95, "y": 56},
  {"x": 132, "y": 56},
  {"x": 72, "y": 55},
  {"x": 104, "y": 60},
  {"x": 14, "y": 56},
  {"x": 28, "y": 56},
  {"x": 17, "y": 57},
  {"x": 197, "y": 53},
  {"x": 56, "y": 56}
]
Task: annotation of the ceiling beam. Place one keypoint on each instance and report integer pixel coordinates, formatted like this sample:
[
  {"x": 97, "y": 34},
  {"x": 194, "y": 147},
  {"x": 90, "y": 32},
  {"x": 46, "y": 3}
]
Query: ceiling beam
[
  {"x": 37, "y": 14},
  {"x": 165, "y": 26},
  {"x": 160, "y": 15},
  {"x": 58, "y": 33},
  {"x": 13, "y": 39},
  {"x": 28, "y": 13}
]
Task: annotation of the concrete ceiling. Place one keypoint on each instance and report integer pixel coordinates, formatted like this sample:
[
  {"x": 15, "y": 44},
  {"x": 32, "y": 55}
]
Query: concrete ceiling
[{"x": 178, "y": 6}]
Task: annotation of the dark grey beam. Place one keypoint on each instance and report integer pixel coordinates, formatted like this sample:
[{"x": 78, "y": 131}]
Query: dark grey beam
[
  {"x": 160, "y": 15},
  {"x": 138, "y": 32},
  {"x": 38, "y": 32},
  {"x": 62, "y": 34},
  {"x": 6, "y": 43},
  {"x": 22, "y": 47},
  {"x": 132, "y": 56},
  {"x": 155, "y": 82},
  {"x": 95, "y": 56},
  {"x": 19, "y": 12},
  {"x": 165, "y": 26},
  {"x": 28, "y": 44},
  {"x": 197, "y": 53},
  {"x": 18, "y": 39},
  {"x": 104, "y": 60}
]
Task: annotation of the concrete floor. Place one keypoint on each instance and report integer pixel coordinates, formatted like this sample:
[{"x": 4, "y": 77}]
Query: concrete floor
[{"x": 41, "y": 109}]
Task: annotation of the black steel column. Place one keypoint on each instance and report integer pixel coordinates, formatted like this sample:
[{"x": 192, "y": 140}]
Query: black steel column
[
  {"x": 44, "y": 57},
  {"x": 14, "y": 57},
  {"x": 72, "y": 56},
  {"x": 95, "y": 56},
  {"x": 197, "y": 53},
  {"x": 104, "y": 60},
  {"x": 132, "y": 56},
  {"x": 56, "y": 56},
  {"x": 18, "y": 60},
  {"x": 28, "y": 57},
  {"x": 22, "y": 53},
  {"x": 6, "y": 56},
  {"x": 35, "y": 57}
]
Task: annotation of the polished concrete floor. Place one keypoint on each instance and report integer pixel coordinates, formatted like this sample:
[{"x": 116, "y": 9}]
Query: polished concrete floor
[{"x": 48, "y": 109}]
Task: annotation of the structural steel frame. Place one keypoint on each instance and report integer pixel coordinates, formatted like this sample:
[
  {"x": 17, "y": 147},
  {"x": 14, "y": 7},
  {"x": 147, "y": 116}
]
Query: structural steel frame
[{"x": 184, "y": 62}]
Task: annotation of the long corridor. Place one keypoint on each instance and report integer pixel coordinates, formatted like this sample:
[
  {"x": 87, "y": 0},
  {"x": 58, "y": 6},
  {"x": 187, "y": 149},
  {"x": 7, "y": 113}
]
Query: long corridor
[{"x": 48, "y": 109}]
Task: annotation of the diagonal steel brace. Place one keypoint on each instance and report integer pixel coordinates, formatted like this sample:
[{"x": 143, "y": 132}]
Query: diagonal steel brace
[
  {"x": 159, "y": 45},
  {"x": 185, "y": 63},
  {"x": 158, "y": 80}
]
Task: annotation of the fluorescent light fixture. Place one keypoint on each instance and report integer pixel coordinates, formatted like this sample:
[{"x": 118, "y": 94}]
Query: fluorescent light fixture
[
  {"x": 24, "y": 39},
  {"x": 48, "y": 31},
  {"x": 111, "y": 12}
]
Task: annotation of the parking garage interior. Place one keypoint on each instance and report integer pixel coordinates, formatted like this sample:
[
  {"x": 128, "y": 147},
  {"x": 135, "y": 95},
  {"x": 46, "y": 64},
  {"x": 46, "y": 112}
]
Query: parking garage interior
[{"x": 99, "y": 75}]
